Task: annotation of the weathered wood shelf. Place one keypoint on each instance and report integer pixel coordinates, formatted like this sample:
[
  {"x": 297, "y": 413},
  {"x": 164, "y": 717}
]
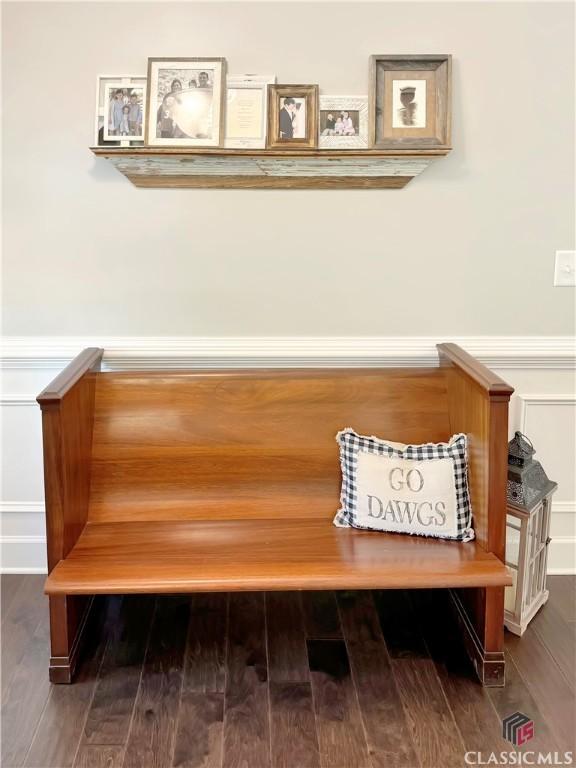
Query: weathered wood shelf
[{"x": 174, "y": 167}]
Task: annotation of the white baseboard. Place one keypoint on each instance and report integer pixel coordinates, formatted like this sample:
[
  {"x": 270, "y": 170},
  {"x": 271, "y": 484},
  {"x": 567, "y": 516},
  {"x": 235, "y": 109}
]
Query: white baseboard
[{"x": 528, "y": 352}]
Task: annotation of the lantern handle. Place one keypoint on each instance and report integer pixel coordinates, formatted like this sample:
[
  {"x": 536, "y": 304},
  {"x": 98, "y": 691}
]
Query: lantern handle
[{"x": 520, "y": 436}]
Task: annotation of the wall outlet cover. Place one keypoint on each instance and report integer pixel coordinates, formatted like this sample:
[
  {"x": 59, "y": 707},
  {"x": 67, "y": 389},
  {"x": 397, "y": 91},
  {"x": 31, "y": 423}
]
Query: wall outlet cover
[{"x": 565, "y": 268}]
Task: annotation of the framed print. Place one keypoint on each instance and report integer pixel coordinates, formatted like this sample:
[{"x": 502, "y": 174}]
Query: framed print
[
  {"x": 124, "y": 116},
  {"x": 185, "y": 102},
  {"x": 106, "y": 88},
  {"x": 410, "y": 101},
  {"x": 343, "y": 122},
  {"x": 247, "y": 110},
  {"x": 292, "y": 117}
]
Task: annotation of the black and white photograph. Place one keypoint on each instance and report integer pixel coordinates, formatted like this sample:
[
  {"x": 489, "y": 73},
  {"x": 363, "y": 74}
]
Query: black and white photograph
[
  {"x": 343, "y": 122},
  {"x": 124, "y": 116},
  {"x": 185, "y": 102},
  {"x": 408, "y": 103},
  {"x": 292, "y": 118}
]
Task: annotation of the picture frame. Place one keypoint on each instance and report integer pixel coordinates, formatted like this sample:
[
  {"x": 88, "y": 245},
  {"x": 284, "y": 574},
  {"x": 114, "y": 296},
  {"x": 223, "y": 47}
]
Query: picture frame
[
  {"x": 125, "y": 107},
  {"x": 247, "y": 110},
  {"x": 292, "y": 109},
  {"x": 101, "y": 112},
  {"x": 185, "y": 102},
  {"x": 343, "y": 122},
  {"x": 410, "y": 101}
]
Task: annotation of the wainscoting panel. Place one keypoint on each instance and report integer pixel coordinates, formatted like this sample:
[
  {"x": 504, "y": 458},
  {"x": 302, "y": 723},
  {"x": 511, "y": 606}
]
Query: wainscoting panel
[{"x": 541, "y": 365}]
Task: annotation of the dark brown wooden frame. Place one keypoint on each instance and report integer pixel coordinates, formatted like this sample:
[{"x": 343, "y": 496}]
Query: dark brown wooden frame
[
  {"x": 279, "y": 91},
  {"x": 222, "y": 125},
  {"x": 477, "y": 404},
  {"x": 441, "y": 66}
]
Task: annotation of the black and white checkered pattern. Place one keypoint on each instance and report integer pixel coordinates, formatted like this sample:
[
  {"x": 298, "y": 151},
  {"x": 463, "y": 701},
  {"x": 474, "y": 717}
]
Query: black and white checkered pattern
[{"x": 352, "y": 443}]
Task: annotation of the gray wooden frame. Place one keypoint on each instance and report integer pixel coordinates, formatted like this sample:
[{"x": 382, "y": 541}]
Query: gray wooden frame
[{"x": 440, "y": 132}]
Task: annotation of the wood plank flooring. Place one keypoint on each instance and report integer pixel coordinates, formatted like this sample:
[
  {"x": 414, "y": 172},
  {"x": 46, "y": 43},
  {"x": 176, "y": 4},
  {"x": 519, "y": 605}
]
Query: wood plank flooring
[{"x": 277, "y": 680}]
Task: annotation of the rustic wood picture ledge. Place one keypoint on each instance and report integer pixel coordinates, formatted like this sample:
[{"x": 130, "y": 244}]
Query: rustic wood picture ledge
[{"x": 175, "y": 167}]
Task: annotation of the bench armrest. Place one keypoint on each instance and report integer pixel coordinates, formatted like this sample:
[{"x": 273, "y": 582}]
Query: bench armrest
[
  {"x": 67, "y": 422},
  {"x": 478, "y": 405}
]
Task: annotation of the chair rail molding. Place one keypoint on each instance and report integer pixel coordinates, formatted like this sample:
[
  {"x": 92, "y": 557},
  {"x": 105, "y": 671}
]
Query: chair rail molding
[{"x": 53, "y": 352}]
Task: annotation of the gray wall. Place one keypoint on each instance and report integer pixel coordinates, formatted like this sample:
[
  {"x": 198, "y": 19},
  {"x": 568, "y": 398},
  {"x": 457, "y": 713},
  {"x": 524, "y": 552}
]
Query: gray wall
[{"x": 467, "y": 248}]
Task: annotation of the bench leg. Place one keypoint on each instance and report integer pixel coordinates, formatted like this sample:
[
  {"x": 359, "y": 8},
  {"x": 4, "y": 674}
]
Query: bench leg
[
  {"x": 68, "y": 618},
  {"x": 480, "y": 614}
]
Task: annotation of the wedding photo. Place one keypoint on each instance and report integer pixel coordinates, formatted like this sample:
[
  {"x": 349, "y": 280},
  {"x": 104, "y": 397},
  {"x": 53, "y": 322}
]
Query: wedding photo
[
  {"x": 292, "y": 118},
  {"x": 185, "y": 102}
]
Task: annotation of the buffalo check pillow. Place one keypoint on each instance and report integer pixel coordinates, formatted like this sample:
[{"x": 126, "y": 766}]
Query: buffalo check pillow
[{"x": 418, "y": 489}]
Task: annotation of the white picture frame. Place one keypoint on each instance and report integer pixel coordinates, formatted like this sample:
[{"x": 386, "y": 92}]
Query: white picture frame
[
  {"x": 191, "y": 113},
  {"x": 102, "y": 109},
  {"x": 110, "y": 89},
  {"x": 357, "y": 109},
  {"x": 247, "y": 110}
]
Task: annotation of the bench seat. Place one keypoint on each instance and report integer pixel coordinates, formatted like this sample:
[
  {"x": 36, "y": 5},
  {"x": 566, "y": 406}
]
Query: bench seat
[{"x": 263, "y": 554}]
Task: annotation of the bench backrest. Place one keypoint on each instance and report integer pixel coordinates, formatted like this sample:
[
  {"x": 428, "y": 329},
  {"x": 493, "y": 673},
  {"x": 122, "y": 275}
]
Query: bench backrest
[{"x": 249, "y": 443}]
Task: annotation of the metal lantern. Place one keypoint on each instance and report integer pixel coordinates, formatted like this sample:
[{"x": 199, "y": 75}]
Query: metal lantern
[{"x": 529, "y": 494}]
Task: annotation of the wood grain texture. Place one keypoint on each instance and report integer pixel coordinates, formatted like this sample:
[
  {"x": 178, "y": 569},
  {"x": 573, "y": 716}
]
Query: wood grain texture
[
  {"x": 60, "y": 737},
  {"x": 110, "y": 713},
  {"x": 292, "y": 712},
  {"x": 99, "y": 757},
  {"x": 326, "y": 154},
  {"x": 516, "y": 696},
  {"x": 387, "y": 733},
  {"x": 151, "y": 740},
  {"x": 555, "y": 695},
  {"x": 67, "y": 706},
  {"x": 287, "y": 657},
  {"x": 204, "y": 663},
  {"x": 25, "y": 685},
  {"x": 168, "y": 181},
  {"x": 478, "y": 406},
  {"x": 199, "y": 736},
  {"x": 252, "y": 443},
  {"x": 436, "y": 738},
  {"x": 473, "y": 711},
  {"x": 338, "y": 723},
  {"x": 205, "y": 556},
  {"x": 247, "y": 721}
]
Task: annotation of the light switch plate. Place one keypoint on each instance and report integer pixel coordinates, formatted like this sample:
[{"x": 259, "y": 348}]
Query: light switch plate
[{"x": 565, "y": 268}]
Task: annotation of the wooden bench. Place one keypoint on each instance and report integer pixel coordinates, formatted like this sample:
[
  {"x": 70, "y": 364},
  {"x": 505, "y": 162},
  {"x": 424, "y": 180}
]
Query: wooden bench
[{"x": 186, "y": 481}]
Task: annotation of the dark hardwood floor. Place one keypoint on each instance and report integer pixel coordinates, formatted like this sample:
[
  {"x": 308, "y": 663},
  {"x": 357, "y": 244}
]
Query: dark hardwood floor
[{"x": 286, "y": 680}]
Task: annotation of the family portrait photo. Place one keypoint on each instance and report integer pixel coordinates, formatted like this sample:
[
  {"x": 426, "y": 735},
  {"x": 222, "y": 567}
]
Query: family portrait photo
[
  {"x": 185, "y": 103},
  {"x": 339, "y": 123},
  {"x": 292, "y": 118},
  {"x": 124, "y": 111},
  {"x": 343, "y": 122}
]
